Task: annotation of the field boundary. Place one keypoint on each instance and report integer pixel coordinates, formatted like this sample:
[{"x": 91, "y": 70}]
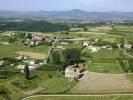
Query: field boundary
[{"x": 76, "y": 95}]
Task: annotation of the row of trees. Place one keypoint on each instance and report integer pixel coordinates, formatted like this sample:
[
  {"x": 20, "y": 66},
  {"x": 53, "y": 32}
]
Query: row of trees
[
  {"x": 32, "y": 26},
  {"x": 127, "y": 65}
]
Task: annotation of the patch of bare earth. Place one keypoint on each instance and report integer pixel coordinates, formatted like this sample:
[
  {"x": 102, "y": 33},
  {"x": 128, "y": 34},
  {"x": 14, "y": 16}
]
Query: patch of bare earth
[{"x": 103, "y": 83}]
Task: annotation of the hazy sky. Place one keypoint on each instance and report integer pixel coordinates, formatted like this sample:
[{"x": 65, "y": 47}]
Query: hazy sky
[{"x": 89, "y": 5}]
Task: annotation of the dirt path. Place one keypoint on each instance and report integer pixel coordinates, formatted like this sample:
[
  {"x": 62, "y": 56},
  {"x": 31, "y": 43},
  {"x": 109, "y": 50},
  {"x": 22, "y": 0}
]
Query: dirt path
[
  {"x": 103, "y": 83},
  {"x": 116, "y": 96}
]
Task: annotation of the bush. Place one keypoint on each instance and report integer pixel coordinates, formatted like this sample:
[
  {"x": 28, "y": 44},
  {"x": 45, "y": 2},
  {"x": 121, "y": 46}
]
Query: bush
[
  {"x": 10, "y": 60},
  {"x": 3, "y": 90},
  {"x": 50, "y": 76}
]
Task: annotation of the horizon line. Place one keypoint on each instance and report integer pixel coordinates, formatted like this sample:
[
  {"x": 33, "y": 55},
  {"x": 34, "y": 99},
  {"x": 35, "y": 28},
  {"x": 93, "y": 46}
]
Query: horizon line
[{"x": 67, "y": 10}]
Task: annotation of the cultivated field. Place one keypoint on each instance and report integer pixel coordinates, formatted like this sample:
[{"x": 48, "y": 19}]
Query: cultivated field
[{"x": 94, "y": 83}]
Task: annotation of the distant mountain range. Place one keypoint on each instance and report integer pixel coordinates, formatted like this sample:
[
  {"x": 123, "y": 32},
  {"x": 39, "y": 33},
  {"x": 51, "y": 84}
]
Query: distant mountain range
[{"x": 75, "y": 14}]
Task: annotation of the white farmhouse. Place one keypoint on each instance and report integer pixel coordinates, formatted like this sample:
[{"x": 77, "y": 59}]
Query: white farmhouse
[
  {"x": 69, "y": 72},
  {"x": 2, "y": 63},
  {"x": 128, "y": 46}
]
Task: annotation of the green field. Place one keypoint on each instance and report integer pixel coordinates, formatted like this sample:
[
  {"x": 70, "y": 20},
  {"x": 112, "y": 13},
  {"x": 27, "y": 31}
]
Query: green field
[
  {"x": 12, "y": 49},
  {"x": 104, "y": 37},
  {"x": 41, "y": 83},
  {"x": 113, "y": 67},
  {"x": 107, "y": 54},
  {"x": 103, "y": 61}
]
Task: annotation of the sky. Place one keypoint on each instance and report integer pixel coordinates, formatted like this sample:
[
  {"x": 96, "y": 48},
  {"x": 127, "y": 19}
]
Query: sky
[{"x": 61, "y": 5}]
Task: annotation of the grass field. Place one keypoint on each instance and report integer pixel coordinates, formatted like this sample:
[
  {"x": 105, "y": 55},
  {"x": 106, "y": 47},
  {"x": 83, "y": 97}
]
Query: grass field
[
  {"x": 10, "y": 50},
  {"x": 113, "y": 67},
  {"x": 107, "y": 54},
  {"x": 32, "y": 55},
  {"x": 41, "y": 83},
  {"x": 103, "y": 61},
  {"x": 94, "y": 35}
]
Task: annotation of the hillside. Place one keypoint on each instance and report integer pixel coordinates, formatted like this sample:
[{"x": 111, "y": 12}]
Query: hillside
[{"x": 75, "y": 14}]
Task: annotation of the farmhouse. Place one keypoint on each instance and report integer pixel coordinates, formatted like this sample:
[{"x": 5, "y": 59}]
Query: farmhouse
[
  {"x": 86, "y": 42},
  {"x": 69, "y": 72},
  {"x": 128, "y": 46},
  {"x": 75, "y": 71},
  {"x": 60, "y": 47},
  {"x": 64, "y": 43},
  {"x": 21, "y": 67},
  {"x": 93, "y": 49},
  {"x": 2, "y": 63}
]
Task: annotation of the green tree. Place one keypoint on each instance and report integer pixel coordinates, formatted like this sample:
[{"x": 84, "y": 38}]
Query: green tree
[
  {"x": 85, "y": 29},
  {"x": 55, "y": 57},
  {"x": 29, "y": 36},
  {"x": 71, "y": 56},
  {"x": 27, "y": 72}
]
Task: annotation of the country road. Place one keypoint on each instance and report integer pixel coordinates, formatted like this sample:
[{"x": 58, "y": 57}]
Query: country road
[
  {"x": 118, "y": 95},
  {"x": 53, "y": 44}
]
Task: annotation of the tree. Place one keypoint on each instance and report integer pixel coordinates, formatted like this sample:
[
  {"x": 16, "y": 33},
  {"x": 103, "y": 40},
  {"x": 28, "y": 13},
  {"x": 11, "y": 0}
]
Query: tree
[
  {"x": 29, "y": 36},
  {"x": 55, "y": 57},
  {"x": 85, "y": 29},
  {"x": 27, "y": 72},
  {"x": 71, "y": 56}
]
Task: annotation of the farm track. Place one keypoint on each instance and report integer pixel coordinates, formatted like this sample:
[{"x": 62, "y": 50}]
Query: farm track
[{"x": 104, "y": 95}]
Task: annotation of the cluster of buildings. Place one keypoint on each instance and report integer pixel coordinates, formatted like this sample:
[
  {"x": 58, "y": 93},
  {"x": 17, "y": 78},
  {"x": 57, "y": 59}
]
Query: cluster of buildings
[
  {"x": 41, "y": 38},
  {"x": 76, "y": 71},
  {"x": 32, "y": 64},
  {"x": 10, "y": 33}
]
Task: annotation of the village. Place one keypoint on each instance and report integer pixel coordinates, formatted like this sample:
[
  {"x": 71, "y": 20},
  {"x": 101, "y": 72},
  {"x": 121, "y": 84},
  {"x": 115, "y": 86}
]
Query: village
[
  {"x": 57, "y": 43},
  {"x": 39, "y": 59},
  {"x": 66, "y": 49}
]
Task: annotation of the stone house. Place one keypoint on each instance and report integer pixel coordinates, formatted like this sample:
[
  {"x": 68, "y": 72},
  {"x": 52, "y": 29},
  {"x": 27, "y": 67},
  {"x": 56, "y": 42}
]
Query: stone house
[{"x": 74, "y": 71}]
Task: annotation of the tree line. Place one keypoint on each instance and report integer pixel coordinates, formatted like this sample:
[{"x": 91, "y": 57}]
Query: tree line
[{"x": 32, "y": 26}]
